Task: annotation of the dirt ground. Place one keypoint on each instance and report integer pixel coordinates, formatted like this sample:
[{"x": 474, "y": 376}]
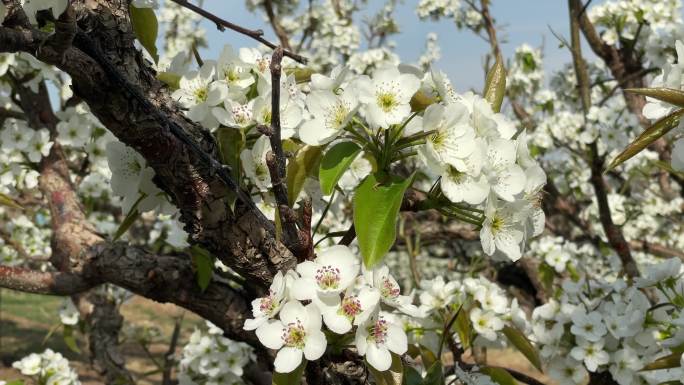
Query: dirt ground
[{"x": 26, "y": 321}]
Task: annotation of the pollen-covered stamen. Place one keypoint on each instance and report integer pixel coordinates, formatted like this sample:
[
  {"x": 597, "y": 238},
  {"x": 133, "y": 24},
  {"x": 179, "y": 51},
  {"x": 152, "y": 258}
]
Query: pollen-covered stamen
[
  {"x": 389, "y": 289},
  {"x": 377, "y": 332},
  {"x": 350, "y": 307},
  {"x": 328, "y": 277},
  {"x": 201, "y": 94},
  {"x": 336, "y": 115},
  {"x": 268, "y": 304},
  {"x": 294, "y": 335}
]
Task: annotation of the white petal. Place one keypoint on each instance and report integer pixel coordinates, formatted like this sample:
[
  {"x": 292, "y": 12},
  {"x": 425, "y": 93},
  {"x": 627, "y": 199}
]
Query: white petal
[
  {"x": 396, "y": 340},
  {"x": 379, "y": 357},
  {"x": 336, "y": 322},
  {"x": 293, "y": 311},
  {"x": 270, "y": 334},
  {"x": 303, "y": 288},
  {"x": 315, "y": 345},
  {"x": 287, "y": 359}
]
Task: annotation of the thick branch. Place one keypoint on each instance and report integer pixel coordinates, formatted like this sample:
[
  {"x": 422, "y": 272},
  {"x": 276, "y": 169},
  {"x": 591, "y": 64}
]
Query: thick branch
[{"x": 38, "y": 282}]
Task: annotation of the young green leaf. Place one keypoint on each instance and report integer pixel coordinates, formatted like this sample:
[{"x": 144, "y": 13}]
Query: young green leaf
[
  {"x": 667, "y": 95},
  {"x": 412, "y": 376},
  {"x": 304, "y": 164},
  {"x": 7, "y": 201},
  {"x": 376, "y": 208},
  {"x": 463, "y": 328},
  {"x": 203, "y": 262},
  {"x": 170, "y": 79},
  {"x": 292, "y": 378},
  {"x": 520, "y": 341},
  {"x": 498, "y": 375},
  {"x": 146, "y": 27},
  {"x": 334, "y": 163},
  {"x": 435, "y": 375},
  {"x": 393, "y": 376},
  {"x": 131, "y": 217},
  {"x": 667, "y": 362},
  {"x": 69, "y": 339},
  {"x": 231, "y": 141},
  {"x": 495, "y": 85},
  {"x": 653, "y": 133}
]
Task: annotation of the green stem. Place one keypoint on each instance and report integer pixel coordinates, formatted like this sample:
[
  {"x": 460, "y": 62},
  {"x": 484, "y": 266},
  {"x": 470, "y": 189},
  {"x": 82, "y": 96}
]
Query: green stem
[{"x": 325, "y": 212}]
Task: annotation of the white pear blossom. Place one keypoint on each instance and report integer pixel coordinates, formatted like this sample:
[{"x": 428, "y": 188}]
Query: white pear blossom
[
  {"x": 386, "y": 96},
  {"x": 267, "y": 307},
  {"x": 296, "y": 333},
  {"x": 330, "y": 112},
  {"x": 254, "y": 163},
  {"x": 198, "y": 92},
  {"x": 485, "y": 323},
  {"x": 39, "y": 146},
  {"x": 588, "y": 325},
  {"x": 354, "y": 308},
  {"x": 501, "y": 230},
  {"x": 591, "y": 353},
  {"x": 331, "y": 273},
  {"x": 378, "y": 338}
]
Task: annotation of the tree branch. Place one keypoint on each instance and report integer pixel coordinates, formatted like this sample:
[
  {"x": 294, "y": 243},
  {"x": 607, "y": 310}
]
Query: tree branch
[
  {"x": 38, "y": 282},
  {"x": 613, "y": 233},
  {"x": 254, "y": 34}
]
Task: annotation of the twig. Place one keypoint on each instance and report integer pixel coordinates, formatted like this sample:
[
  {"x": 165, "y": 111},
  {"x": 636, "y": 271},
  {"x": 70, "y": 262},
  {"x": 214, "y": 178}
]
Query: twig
[
  {"x": 221, "y": 24},
  {"x": 168, "y": 357},
  {"x": 613, "y": 233},
  {"x": 277, "y": 27}
]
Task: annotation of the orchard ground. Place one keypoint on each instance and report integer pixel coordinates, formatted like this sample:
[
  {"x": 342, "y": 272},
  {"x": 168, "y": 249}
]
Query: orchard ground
[{"x": 26, "y": 321}]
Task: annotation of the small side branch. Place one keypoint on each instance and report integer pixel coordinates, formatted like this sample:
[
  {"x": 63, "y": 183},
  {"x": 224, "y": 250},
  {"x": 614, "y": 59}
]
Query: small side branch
[{"x": 222, "y": 24}]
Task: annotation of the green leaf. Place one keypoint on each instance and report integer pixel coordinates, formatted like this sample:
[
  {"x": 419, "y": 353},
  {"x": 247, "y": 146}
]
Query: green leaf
[
  {"x": 463, "y": 328},
  {"x": 7, "y": 201},
  {"x": 145, "y": 26},
  {"x": 667, "y": 95},
  {"x": 653, "y": 133},
  {"x": 292, "y": 378},
  {"x": 170, "y": 79},
  {"x": 495, "y": 85},
  {"x": 412, "y": 376},
  {"x": 376, "y": 208},
  {"x": 498, "y": 375},
  {"x": 304, "y": 164},
  {"x": 667, "y": 362},
  {"x": 334, "y": 163},
  {"x": 427, "y": 356},
  {"x": 70, "y": 340},
  {"x": 203, "y": 262},
  {"x": 231, "y": 141},
  {"x": 16, "y": 382},
  {"x": 130, "y": 219},
  {"x": 434, "y": 375},
  {"x": 393, "y": 376},
  {"x": 546, "y": 276},
  {"x": 520, "y": 341}
]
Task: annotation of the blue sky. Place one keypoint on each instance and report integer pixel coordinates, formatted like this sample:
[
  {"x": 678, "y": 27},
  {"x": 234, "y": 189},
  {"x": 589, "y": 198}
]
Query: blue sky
[{"x": 523, "y": 21}]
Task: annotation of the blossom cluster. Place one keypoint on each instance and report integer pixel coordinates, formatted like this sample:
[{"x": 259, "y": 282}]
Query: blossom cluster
[
  {"x": 340, "y": 295},
  {"x": 48, "y": 367},
  {"x": 600, "y": 325},
  {"x": 209, "y": 358},
  {"x": 479, "y": 156}
]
